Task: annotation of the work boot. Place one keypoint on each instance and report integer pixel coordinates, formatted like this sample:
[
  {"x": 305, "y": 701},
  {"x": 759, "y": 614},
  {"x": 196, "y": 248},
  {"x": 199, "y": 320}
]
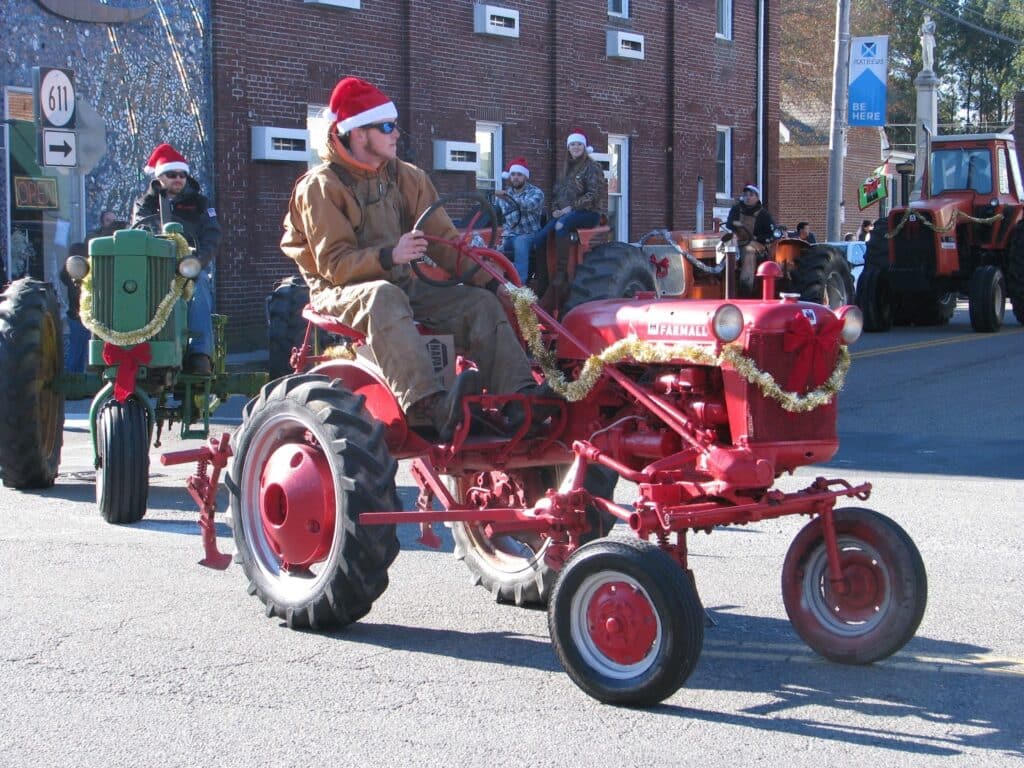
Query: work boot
[
  {"x": 557, "y": 292},
  {"x": 444, "y": 409},
  {"x": 515, "y": 412},
  {"x": 199, "y": 364}
]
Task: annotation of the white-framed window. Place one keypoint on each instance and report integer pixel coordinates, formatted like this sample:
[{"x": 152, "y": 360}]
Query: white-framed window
[
  {"x": 488, "y": 172},
  {"x": 317, "y": 126},
  {"x": 723, "y": 19},
  {"x": 723, "y": 161},
  {"x": 618, "y": 186},
  {"x": 618, "y": 8}
]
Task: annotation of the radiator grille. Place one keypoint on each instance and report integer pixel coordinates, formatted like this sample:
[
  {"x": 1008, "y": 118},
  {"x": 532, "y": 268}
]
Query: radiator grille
[
  {"x": 158, "y": 273},
  {"x": 767, "y": 421}
]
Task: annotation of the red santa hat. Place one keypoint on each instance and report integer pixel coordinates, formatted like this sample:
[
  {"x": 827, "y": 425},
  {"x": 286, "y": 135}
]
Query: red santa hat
[
  {"x": 516, "y": 165},
  {"x": 165, "y": 158},
  {"x": 581, "y": 137},
  {"x": 753, "y": 189},
  {"x": 355, "y": 103}
]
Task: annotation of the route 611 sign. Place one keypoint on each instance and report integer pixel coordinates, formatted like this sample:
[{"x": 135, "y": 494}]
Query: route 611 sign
[{"x": 55, "y": 97}]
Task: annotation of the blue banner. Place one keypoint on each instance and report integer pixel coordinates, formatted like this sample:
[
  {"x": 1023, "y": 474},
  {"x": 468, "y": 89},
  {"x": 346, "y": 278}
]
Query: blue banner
[{"x": 869, "y": 70}]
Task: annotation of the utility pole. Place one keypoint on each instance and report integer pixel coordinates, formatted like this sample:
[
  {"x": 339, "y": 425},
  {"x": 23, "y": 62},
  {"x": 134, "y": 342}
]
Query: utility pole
[{"x": 837, "y": 132}]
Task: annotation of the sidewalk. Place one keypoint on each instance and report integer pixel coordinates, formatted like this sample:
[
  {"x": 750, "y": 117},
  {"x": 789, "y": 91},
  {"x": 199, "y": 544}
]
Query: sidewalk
[{"x": 257, "y": 360}]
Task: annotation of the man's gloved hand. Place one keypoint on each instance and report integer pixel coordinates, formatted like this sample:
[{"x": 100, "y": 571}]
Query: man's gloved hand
[{"x": 726, "y": 236}]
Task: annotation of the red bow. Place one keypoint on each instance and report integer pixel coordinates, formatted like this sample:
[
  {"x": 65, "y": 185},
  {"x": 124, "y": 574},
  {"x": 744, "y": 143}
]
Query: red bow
[
  {"x": 127, "y": 362},
  {"x": 816, "y": 350},
  {"x": 660, "y": 266}
]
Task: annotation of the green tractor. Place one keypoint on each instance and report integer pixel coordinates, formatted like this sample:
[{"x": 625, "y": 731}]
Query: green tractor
[{"x": 134, "y": 287}]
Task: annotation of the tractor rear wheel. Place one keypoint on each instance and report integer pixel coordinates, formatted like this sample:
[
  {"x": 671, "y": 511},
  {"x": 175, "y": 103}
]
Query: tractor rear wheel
[
  {"x": 122, "y": 448},
  {"x": 1015, "y": 274},
  {"x": 611, "y": 271},
  {"x": 308, "y": 460},
  {"x": 512, "y": 566},
  {"x": 286, "y": 327},
  {"x": 823, "y": 276},
  {"x": 987, "y": 299},
  {"x": 626, "y": 622},
  {"x": 880, "y": 603},
  {"x": 924, "y": 309},
  {"x": 31, "y": 361},
  {"x": 874, "y": 300}
]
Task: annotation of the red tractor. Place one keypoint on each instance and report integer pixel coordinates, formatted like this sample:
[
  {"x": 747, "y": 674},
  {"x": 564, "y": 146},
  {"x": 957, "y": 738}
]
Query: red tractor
[
  {"x": 965, "y": 235},
  {"x": 702, "y": 404}
]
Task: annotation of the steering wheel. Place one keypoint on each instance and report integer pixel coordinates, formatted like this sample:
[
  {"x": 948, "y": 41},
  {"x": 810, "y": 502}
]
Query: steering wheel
[
  {"x": 480, "y": 206},
  {"x": 515, "y": 211},
  {"x": 150, "y": 222}
]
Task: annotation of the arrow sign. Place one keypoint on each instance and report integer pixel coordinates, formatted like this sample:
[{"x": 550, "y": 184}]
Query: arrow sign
[{"x": 60, "y": 148}]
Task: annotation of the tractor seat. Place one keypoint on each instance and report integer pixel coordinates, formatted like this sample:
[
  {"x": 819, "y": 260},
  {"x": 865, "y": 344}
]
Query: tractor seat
[{"x": 331, "y": 324}]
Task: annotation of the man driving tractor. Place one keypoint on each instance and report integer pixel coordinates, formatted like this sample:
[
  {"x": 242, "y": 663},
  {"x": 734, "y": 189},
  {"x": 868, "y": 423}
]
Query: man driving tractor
[
  {"x": 753, "y": 227},
  {"x": 349, "y": 227}
]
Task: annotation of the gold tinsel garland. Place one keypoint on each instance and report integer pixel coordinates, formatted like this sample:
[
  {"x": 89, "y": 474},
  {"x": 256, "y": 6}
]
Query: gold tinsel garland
[
  {"x": 179, "y": 286},
  {"x": 646, "y": 352},
  {"x": 957, "y": 214}
]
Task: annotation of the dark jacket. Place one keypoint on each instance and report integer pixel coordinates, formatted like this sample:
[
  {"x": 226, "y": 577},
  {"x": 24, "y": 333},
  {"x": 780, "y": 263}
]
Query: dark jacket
[
  {"x": 582, "y": 187},
  {"x": 763, "y": 222},
  {"x": 192, "y": 210}
]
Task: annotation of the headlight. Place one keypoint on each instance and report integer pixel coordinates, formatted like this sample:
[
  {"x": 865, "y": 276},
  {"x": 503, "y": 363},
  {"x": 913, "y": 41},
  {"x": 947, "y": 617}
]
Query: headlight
[
  {"x": 853, "y": 323},
  {"x": 727, "y": 323},
  {"x": 77, "y": 267},
  {"x": 190, "y": 267}
]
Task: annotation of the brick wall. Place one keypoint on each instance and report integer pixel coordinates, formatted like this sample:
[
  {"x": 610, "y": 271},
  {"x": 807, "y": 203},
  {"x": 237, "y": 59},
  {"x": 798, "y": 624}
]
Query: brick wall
[
  {"x": 803, "y": 182},
  {"x": 273, "y": 58}
]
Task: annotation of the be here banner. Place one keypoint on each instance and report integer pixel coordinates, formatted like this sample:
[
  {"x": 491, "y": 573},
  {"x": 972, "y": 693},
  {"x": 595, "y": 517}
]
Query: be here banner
[{"x": 869, "y": 71}]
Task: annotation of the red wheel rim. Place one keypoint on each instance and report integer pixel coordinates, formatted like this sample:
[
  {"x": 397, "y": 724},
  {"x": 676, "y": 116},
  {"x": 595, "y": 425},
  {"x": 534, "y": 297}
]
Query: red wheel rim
[
  {"x": 862, "y": 592},
  {"x": 297, "y": 504},
  {"x": 621, "y": 622}
]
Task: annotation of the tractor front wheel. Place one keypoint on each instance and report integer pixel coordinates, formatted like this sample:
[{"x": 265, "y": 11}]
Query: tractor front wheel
[
  {"x": 31, "y": 362},
  {"x": 987, "y": 299},
  {"x": 823, "y": 276},
  {"x": 122, "y": 449},
  {"x": 308, "y": 460},
  {"x": 611, "y": 271},
  {"x": 626, "y": 622},
  {"x": 877, "y": 606},
  {"x": 874, "y": 300}
]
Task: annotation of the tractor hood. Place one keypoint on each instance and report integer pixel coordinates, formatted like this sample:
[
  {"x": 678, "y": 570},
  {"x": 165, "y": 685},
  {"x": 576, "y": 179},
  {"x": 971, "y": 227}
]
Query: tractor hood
[{"x": 599, "y": 324}]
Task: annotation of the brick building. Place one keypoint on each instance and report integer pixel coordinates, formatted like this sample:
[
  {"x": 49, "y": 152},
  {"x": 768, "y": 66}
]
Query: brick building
[
  {"x": 682, "y": 100},
  {"x": 660, "y": 116}
]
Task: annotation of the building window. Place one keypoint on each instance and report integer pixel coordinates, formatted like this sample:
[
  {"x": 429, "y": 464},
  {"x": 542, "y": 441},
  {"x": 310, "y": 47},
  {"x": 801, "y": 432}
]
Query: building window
[
  {"x": 723, "y": 28},
  {"x": 488, "y": 172},
  {"x": 317, "y": 126},
  {"x": 618, "y": 8},
  {"x": 618, "y": 186},
  {"x": 723, "y": 162}
]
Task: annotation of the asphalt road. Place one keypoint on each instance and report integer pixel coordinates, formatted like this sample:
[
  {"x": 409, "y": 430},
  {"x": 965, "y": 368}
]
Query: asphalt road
[{"x": 117, "y": 649}]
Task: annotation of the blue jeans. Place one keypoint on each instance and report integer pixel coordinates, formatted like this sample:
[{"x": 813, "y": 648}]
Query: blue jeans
[
  {"x": 78, "y": 341},
  {"x": 200, "y": 320},
  {"x": 565, "y": 226},
  {"x": 517, "y": 248}
]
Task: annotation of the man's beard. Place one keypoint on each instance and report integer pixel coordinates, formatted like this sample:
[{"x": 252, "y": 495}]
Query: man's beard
[{"x": 518, "y": 186}]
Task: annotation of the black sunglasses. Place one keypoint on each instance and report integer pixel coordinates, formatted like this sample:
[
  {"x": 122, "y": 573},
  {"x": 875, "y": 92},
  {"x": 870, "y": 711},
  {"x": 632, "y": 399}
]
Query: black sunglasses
[
  {"x": 175, "y": 174},
  {"x": 388, "y": 127}
]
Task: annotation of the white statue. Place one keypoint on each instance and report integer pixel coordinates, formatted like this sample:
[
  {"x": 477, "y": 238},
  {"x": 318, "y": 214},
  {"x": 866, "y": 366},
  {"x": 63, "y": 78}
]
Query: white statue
[{"x": 927, "y": 32}]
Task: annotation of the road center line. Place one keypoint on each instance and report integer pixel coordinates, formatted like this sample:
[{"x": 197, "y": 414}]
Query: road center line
[{"x": 932, "y": 343}]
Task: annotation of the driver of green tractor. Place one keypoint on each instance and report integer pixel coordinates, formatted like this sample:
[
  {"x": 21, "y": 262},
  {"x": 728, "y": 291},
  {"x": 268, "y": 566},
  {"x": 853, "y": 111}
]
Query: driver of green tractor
[
  {"x": 188, "y": 206},
  {"x": 577, "y": 202},
  {"x": 521, "y": 206},
  {"x": 349, "y": 229},
  {"x": 754, "y": 228}
]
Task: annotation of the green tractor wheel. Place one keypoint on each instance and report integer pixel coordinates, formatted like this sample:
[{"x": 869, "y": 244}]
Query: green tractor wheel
[
  {"x": 122, "y": 451},
  {"x": 31, "y": 361}
]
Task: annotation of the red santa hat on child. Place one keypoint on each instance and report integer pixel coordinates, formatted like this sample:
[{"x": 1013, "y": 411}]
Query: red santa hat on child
[
  {"x": 165, "y": 158},
  {"x": 580, "y": 136},
  {"x": 355, "y": 103},
  {"x": 516, "y": 165}
]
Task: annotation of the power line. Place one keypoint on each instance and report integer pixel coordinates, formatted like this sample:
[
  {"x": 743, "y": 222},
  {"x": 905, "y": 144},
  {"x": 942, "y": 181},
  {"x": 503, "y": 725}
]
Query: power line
[{"x": 972, "y": 25}]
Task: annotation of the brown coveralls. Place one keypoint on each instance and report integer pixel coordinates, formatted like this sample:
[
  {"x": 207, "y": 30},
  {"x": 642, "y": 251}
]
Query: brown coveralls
[{"x": 341, "y": 224}]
